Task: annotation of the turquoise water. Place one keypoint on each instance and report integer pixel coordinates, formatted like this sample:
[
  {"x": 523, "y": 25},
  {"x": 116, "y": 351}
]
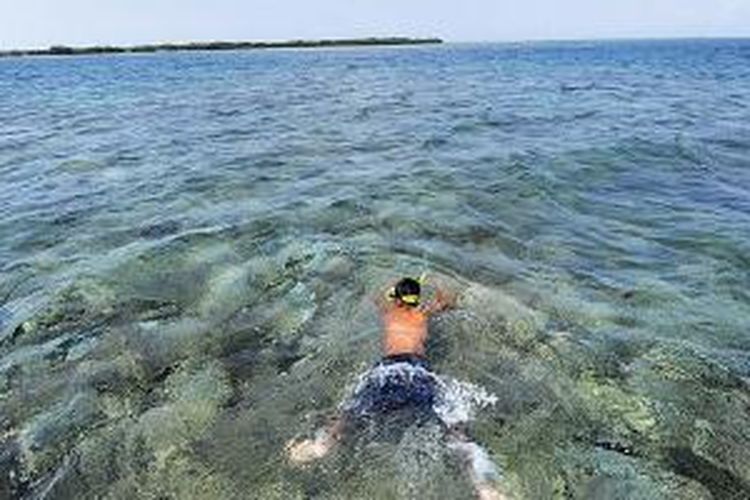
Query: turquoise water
[{"x": 190, "y": 245}]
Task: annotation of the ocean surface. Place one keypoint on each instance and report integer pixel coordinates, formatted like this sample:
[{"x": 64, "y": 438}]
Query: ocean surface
[{"x": 190, "y": 246}]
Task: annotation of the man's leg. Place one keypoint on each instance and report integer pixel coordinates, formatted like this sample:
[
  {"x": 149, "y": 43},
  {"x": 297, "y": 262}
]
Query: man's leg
[
  {"x": 481, "y": 470},
  {"x": 367, "y": 398}
]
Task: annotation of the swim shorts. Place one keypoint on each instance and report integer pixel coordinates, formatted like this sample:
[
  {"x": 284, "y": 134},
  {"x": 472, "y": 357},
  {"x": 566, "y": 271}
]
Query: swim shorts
[{"x": 396, "y": 382}]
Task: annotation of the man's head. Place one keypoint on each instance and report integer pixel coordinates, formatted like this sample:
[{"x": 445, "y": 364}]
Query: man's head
[{"x": 407, "y": 291}]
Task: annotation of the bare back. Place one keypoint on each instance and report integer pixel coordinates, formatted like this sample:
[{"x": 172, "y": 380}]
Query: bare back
[{"x": 404, "y": 330}]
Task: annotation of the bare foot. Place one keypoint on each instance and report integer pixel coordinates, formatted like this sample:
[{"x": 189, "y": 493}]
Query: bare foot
[
  {"x": 487, "y": 492},
  {"x": 307, "y": 450}
]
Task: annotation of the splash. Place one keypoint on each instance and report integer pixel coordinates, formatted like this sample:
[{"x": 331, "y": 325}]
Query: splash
[{"x": 460, "y": 401}]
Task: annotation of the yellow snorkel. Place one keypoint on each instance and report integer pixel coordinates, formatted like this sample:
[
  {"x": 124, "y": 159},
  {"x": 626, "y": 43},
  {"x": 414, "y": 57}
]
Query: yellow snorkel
[{"x": 410, "y": 300}]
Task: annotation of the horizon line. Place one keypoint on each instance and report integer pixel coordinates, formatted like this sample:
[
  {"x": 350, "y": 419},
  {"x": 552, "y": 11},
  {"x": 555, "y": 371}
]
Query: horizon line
[{"x": 279, "y": 42}]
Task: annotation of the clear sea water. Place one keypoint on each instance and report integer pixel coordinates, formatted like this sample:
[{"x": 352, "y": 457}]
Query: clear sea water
[{"x": 190, "y": 245}]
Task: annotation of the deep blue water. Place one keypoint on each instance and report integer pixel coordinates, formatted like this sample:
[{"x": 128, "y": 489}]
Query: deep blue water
[{"x": 213, "y": 225}]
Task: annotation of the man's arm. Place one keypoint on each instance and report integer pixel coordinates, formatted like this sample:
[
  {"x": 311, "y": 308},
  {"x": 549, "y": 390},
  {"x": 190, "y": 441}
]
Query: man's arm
[
  {"x": 444, "y": 299},
  {"x": 382, "y": 299}
]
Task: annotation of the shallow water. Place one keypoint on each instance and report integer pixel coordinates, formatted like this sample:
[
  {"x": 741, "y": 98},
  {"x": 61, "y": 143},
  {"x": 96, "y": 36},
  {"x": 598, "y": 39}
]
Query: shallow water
[{"x": 190, "y": 244}]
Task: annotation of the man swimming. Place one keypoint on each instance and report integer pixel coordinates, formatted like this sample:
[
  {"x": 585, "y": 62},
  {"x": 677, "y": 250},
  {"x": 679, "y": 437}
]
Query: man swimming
[{"x": 402, "y": 379}]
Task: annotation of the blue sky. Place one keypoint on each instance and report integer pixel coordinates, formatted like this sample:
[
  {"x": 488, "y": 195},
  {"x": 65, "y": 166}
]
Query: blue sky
[{"x": 39, "y": 23}]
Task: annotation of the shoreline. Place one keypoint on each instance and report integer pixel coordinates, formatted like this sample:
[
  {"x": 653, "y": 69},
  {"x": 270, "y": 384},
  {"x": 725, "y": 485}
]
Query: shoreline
[{"x": 64, "y": 50}]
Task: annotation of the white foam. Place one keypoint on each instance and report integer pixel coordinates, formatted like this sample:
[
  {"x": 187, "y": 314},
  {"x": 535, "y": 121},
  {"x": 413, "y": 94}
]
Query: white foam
[{"x": 458, "y": 401}]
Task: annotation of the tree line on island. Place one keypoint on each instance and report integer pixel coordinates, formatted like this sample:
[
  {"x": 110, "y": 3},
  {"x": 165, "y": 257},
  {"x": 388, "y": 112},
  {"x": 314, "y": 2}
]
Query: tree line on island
[{"x": 63, "y": 50}]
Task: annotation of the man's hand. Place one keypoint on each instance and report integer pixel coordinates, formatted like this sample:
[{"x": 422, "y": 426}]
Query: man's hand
[
  {"x": 382, "y": 298},
  {"x": 446, "y": 298}
]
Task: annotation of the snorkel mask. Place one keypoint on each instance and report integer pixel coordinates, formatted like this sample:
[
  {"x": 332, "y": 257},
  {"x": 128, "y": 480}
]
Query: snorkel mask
[{"x": 413, "y": 285}]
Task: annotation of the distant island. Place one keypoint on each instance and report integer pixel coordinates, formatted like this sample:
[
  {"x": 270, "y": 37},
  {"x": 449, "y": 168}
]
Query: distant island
[{"x": 63, "y": 50}]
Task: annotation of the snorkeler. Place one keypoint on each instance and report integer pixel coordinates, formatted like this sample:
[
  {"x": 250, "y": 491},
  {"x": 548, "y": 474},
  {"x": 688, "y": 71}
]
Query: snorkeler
[{"x": 402, "y": 379}]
